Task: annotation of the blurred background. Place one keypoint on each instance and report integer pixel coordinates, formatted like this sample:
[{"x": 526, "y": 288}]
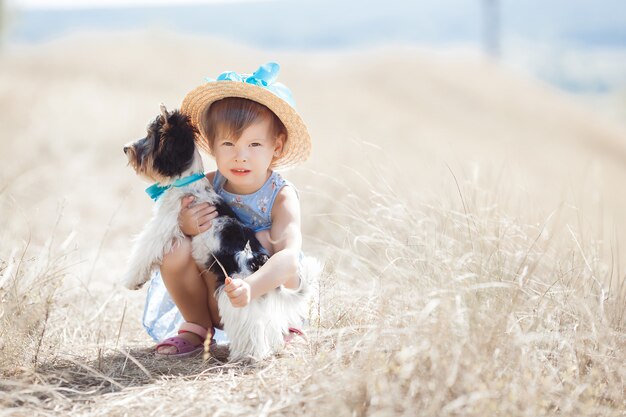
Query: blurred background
[{"x": 575, "y": 45}]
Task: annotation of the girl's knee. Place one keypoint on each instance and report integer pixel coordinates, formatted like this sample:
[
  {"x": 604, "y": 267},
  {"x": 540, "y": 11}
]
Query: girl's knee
[{"x": 178, "y": 258}]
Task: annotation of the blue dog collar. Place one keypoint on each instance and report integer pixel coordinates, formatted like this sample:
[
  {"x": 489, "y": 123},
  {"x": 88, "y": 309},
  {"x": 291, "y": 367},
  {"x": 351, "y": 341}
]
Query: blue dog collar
[{"x": 155, "y": 190}]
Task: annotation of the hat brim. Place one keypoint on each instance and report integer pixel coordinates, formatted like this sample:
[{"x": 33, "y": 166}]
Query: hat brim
[{"x": 297, "y": 147}]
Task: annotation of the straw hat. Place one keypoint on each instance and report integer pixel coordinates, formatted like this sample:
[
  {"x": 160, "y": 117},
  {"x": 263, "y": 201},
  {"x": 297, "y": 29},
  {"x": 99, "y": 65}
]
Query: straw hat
[{"x": 262, "y": 88}]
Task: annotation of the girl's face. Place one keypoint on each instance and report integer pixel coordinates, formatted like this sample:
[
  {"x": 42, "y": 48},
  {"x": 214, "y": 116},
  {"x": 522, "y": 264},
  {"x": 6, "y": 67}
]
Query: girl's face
[{"x": 245, "y": 162}]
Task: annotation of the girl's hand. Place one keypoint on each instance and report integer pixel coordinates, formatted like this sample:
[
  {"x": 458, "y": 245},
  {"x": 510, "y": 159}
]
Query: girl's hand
[
  {"x": 197, "y": 219},
  {"x": 238, "y": 291}
]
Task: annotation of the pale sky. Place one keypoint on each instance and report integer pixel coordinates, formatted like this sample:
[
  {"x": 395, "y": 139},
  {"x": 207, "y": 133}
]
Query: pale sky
[{"x": 84, "y": 4}]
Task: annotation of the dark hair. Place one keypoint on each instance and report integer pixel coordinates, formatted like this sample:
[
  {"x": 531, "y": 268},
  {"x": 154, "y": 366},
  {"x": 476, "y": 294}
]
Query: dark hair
[{"x": 230, "y": 116}]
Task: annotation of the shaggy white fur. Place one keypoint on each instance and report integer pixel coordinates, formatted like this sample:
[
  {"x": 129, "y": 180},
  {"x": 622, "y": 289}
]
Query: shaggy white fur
[{"x": 257, "y": 330}]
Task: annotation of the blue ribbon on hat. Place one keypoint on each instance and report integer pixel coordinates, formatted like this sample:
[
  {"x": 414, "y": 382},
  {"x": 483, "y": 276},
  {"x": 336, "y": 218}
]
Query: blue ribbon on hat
[
  {"x": 155, "y": 190},
  {"x": 264, "y": 77}
]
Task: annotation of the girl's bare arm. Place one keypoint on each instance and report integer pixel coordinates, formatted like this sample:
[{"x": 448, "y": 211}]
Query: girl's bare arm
[{"x": 282, "y": 267}]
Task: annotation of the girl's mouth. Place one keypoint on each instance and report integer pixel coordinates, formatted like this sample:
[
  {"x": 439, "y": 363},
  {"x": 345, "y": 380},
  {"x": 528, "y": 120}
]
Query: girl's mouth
[{"x": 240, "y": 172}]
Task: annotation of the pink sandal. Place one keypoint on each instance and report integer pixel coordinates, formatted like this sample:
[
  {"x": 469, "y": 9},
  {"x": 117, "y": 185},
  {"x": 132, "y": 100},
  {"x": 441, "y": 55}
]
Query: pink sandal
[
  {"x": 184, "y": 348},
  {"x": 292, "y": 333}
]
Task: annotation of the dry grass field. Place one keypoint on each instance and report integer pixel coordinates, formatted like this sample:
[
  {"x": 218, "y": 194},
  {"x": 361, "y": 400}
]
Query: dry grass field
[{"x": 470, "y": 221}]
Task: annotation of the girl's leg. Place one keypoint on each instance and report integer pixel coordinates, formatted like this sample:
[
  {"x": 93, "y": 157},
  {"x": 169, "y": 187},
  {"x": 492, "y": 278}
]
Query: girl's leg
[
  {"x": 188, "y": 289},
  {"x": 211, "y": 284}
]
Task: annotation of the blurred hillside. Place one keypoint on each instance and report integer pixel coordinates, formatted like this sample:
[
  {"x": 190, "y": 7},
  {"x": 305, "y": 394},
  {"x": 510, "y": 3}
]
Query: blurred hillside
[{"x": 576, "y": 45}]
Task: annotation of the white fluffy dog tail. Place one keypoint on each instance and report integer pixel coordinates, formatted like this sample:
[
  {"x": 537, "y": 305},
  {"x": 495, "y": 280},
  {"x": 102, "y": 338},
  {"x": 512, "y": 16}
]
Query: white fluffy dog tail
[{"x": 257, "y": 330}]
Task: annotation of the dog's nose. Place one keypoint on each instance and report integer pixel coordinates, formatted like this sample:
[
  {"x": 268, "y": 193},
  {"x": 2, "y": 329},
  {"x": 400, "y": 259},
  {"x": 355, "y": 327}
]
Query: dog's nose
[{"x": 126, "y": 148}]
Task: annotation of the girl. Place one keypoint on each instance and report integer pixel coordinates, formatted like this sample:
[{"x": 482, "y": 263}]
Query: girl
[{"x": 248, "y": 123}]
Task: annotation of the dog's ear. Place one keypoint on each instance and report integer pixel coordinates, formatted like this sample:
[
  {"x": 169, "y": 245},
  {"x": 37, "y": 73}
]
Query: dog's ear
[{"x": 163, "y": 114}]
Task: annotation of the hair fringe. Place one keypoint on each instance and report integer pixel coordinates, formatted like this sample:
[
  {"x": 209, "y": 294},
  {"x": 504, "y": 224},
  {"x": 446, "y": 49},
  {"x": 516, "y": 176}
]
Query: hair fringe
[{"x": 230, "y": 116}]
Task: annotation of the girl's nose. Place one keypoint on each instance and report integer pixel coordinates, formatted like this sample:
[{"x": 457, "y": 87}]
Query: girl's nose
[{"x": 241, "y": 156}]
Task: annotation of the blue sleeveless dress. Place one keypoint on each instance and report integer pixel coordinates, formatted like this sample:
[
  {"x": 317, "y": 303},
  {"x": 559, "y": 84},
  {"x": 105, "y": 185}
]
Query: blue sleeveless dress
[{"x": 161, "y": 317}]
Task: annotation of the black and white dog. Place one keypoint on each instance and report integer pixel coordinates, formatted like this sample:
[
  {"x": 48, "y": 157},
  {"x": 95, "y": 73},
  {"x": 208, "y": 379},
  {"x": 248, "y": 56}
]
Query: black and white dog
[{"x": 168, "y": 156}]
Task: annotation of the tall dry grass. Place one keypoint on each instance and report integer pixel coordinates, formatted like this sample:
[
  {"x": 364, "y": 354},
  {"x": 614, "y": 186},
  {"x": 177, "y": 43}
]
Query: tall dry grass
[
  {"x": 452, "y": 304},
  {"x": 467, "y": 307}
]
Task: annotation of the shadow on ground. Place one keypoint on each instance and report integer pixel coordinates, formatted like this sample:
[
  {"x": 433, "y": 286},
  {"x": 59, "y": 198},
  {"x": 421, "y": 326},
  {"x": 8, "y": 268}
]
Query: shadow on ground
[{"x": 80, "y": 379}]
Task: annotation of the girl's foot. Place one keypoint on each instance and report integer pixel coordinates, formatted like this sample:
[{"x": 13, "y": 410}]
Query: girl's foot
[
  {"x": 164, "y": 348},
  {"x": 295, "y": 341},
  {"x": 188, "y": 342}
]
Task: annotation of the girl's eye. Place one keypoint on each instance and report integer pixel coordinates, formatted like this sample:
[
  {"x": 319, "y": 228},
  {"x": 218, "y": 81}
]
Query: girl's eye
[
  {"x": 227, "y": 144},
  {"x": 254, "y": 144}
]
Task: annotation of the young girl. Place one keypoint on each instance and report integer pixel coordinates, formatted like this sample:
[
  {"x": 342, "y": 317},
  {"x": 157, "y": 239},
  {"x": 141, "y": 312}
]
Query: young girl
[{"x": 248, "y": 123}]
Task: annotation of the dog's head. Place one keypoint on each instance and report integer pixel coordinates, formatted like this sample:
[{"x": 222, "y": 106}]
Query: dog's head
[{"x": 168, "y": 151}]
